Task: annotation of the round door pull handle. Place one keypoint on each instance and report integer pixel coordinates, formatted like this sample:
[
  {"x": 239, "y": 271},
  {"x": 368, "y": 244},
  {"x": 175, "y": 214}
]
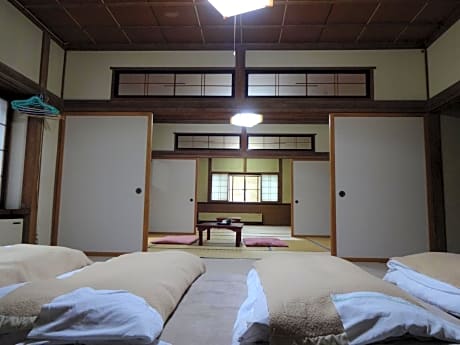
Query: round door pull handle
[
  {"x": 342, "y": 194},
  {"x": 191, "y": 199},
  {"x": 297, "y": 201},
  {"x": 138, "y": 190}
]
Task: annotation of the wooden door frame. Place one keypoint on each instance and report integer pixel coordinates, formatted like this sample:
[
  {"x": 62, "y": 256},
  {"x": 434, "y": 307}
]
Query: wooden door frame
[{"x": 59, "y": 167}]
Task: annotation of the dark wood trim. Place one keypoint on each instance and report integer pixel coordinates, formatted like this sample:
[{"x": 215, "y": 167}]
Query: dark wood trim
[
  {"x": 33, "y": 152},
  {"x": 44, "y": 62},
  {"x": 280, "y": 180},
  {"x": 427, "y": 74},
  {"x": 13, "y": 213},
  {"x": 195, "y": 198},
  {"x": 244, "y": 142},
  {"x": 248, "y": 46},
  {"x": 381, "y": 260},
  {"x": 435, "y": 184},
  {"x": 31, "y": 177},
  {"x": 445, "y": 98},
  {"x": 64, "y": 66},
  {"x": 240, "y": 75},
  {"x": 275, "y": 110},
  {"x": 57, "y": 183},
  {"x": 332, "y": 185},
  {"x": 148, "y": 169},
  {"x": 307, "y": 155},
  {"x": 209, "y": 180},
  {"x": 14, "y": 84}
]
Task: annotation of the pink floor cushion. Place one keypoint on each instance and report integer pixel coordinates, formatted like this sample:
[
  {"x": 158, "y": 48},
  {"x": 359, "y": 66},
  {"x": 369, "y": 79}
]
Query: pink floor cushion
[
  {"x": 264, "y": 242},
  {"x": 176, "y": 239}
]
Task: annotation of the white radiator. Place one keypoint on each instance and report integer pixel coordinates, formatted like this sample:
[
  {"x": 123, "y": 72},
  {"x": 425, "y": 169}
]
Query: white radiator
[{"x": 10, "y": 231}]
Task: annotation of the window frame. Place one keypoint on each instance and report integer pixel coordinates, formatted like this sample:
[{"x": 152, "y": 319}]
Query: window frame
[
  {"x": 6, "y": 155},
  {"x": 117, "y": 71},
  {"x": 277, "y": 174},
  {"x": 312, "y": 137},
  {"x": 367, "y": 71},
  {"x": 209, "y": 135}
]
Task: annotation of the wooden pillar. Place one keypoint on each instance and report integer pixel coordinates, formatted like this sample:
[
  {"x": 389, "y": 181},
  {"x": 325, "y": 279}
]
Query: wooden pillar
[
  {"x": 33, "y": 151},
  {"x": 435, "y": 185},
  {"x": 240, "y": 75}
]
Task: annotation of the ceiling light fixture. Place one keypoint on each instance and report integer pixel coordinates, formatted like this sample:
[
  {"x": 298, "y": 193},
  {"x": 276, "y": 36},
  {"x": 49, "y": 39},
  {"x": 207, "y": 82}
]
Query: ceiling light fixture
[
  {"x": 229, "y": 8},
  {"x": 246, "y": 119}
]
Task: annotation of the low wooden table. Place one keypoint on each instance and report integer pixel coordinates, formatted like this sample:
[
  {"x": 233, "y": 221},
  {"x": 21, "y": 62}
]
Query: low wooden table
[{"x": 236, "y": 227}]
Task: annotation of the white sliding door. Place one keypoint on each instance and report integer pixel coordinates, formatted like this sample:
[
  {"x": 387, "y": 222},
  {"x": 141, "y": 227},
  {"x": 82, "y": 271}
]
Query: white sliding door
[
  {"x": 311, "y": 198},
  {"x": 103, "y": 183},
  {"x": 172, "y": 202},
  {"x": 380, "y": 191}
]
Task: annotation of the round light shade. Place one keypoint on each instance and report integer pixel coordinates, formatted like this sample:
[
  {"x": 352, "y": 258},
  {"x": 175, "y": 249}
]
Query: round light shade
[{"x": 246, "y": 119}]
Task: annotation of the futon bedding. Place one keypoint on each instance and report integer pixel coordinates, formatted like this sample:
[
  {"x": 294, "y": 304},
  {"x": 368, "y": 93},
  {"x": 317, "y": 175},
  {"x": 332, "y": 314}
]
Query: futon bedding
[
  {"x": 319, "y": 299},
  {"x": 25, "y": 262},
  {"x": 159, "y": 278},
  {"x": 433, "y": 277}
]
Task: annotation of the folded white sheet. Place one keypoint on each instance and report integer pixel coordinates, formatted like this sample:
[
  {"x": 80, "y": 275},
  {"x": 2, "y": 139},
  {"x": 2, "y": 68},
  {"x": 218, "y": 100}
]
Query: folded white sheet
[
  {"x": 96, "y": 316},
  {"x": 430, "y": 290},
  {"x": 369, "y": 317},
  {"x": 251, "y": 325}
]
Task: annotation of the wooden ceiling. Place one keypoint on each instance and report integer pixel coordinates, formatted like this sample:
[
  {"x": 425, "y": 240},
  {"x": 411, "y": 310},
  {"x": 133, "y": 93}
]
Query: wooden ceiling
[{"x": 195, "y": 24}]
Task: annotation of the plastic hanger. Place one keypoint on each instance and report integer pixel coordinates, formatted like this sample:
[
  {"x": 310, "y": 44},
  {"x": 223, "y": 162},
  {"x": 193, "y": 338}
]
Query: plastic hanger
[{"x": 35, "y": 106}]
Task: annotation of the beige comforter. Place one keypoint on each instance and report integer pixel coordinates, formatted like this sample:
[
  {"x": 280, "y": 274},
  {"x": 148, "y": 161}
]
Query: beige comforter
[
  {"x": 298, "y": 289},
  {"x": 160, "y": 278},
  {"x": 440, "y": 266},
  {"x": 26, "y": 262}
]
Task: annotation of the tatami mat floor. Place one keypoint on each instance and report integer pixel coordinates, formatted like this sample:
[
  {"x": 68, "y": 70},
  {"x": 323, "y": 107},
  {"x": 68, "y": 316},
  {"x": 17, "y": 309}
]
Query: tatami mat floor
[{"x": 222, "y": 243}]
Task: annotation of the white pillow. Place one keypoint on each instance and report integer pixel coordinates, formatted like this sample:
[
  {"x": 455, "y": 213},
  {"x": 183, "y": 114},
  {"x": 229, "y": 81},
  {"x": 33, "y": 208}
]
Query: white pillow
[
  {"x": 87, "y": 315},
  {"x": 370, "y": 317}
]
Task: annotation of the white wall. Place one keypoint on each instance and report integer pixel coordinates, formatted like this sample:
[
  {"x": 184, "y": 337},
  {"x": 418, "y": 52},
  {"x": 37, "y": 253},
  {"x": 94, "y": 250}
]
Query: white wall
[
  {"x": 398, "y": 74},
  {"x": 16, "y": 162},
  {"x": 55, "y": 69},
  {"x": 21, "y": 42},
  {"x": 450, "y": 136},
  {"x": 88, "y": 74},
  {"x": 46, "y": 188},
  {"x": 163, "y": 133},
  {"x": 444, "y": 60}
]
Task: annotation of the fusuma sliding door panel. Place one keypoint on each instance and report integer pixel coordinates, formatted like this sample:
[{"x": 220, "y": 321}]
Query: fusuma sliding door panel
[
  {"x": 172, "y": 203},
  {"x": 103, "y": 183},
  {"x": 379, "y": 186},
  {"x": 311, "y": 198}
]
